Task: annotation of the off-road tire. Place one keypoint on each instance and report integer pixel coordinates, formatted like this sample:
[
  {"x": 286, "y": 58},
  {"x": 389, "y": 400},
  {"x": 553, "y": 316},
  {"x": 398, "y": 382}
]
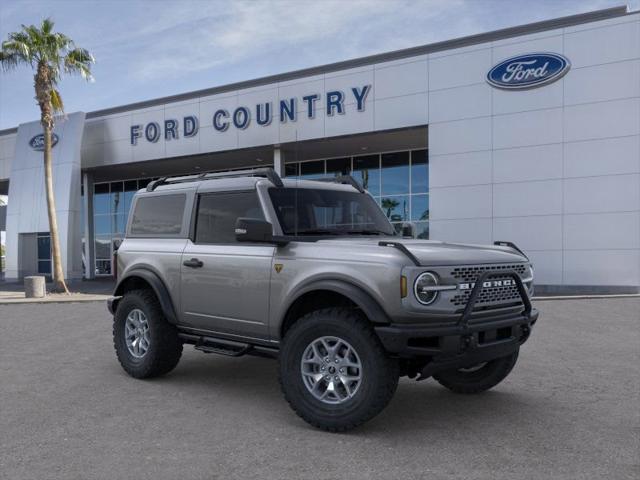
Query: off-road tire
[
  {"x": 480, "y": 380},
  {"x": 379, "y": 372},
  {"x": 165, "y": 347}
]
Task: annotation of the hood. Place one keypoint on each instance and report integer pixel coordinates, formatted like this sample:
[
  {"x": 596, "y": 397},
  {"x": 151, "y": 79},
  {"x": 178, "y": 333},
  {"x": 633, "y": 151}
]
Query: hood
[{"x": 433, "y": 252}]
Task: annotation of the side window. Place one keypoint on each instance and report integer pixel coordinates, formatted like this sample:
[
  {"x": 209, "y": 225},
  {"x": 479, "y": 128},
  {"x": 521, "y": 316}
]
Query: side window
[
  {"x": 158, "y": 215},
  {"x": 218, "y": 212}
]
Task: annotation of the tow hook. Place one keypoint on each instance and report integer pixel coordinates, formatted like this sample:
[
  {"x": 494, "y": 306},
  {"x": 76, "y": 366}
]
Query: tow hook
[
  {"x": 526, "y": 331},
  {"x": 468, "y": 342}
]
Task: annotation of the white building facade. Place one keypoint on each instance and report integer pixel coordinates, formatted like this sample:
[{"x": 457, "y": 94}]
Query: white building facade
[{"x": 529, "y": 134}]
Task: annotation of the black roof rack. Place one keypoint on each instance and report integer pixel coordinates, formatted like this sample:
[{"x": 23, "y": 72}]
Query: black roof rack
[
  {"x": 266, "y": 172},
  {"x": 344, "y": 180}
]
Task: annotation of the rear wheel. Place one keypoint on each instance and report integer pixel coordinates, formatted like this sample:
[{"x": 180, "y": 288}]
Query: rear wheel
[
  {"x": 333, "y": 371},
  {"x": 146, "y": 344},
  {"x": 477, "y": 378}
]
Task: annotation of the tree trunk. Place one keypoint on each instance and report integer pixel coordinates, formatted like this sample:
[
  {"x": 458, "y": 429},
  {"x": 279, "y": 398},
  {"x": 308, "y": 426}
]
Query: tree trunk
[
  {"x": 43, "y": 86},
  {"x": 59, "y": 284}
]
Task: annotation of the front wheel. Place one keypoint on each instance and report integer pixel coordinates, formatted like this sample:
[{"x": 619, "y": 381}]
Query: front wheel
[
  {"x": 333, "y": 370},
  {"x": 478, "y": 378},
  {"x": 146, "y": 344}
]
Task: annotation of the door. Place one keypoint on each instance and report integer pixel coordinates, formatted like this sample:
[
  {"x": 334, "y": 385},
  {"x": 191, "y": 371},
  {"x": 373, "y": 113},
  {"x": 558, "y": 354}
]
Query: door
[{"x": 225, "y": 284}]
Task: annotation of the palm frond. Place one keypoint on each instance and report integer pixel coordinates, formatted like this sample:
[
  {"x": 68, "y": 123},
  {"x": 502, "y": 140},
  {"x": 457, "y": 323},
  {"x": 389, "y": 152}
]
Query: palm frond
[
  {"x": 9, "y": 61},
  {"x": 47, "y": 26},
  {"x": 56, "y": 101},
  {"x": 79, "y": 61}
]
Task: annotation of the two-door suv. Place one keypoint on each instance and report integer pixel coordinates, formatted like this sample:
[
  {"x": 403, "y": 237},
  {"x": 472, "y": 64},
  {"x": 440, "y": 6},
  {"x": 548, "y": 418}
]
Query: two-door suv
[{"x": 312, "y": 273}]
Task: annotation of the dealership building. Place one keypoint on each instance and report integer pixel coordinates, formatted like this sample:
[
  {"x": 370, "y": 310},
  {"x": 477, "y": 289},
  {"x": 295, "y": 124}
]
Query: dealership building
[{"x": 529, "y": 134}]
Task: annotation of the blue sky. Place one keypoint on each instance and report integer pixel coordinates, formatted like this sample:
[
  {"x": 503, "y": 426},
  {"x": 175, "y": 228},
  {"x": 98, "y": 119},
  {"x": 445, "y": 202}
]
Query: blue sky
[{"x": 149, "y": 49}]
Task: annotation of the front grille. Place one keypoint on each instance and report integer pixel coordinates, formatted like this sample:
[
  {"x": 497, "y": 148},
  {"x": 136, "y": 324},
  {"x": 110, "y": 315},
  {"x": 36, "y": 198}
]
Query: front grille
[
  {"x": 491, "y": 295},
  {"x": 469, "y": 274},
  {"x": 488, "y": 297}
]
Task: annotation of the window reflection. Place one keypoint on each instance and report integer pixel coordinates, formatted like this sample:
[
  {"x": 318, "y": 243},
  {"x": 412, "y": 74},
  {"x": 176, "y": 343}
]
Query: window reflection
[
  {"x": 419, "y": 207},
  {"x": 419, "y": 171},
  {"x": 396, "y": 208},
  {"x": 421, "y": 230}
]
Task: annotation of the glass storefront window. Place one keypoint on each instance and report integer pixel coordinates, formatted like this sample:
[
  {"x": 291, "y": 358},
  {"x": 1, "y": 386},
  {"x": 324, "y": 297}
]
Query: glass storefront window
[
  {"x": 119, "y": 223},
  {"x": 44, "y": 266},
  {"x": 399, "y": 182},
  {"x": 44, "y": 246},
  {"x": 103, "y": 267},
  {"x": 44, "y": 253},
  {"x": 419, "y": 171},
  {"x": 103, "y": 247},
  {"x": 395, "y": 173},
  {"x": 421, "y": 230},
  {"x": 291, "y": 170},
  {"x": 101, "y": 199},
  {"x": 117, "y": 198},
  {"x": 366, "y": 170},
  {"x": 419, "y": 207},
  {"x": 310, "y": 170},
  {"x": 338, "y": 166},
  {"x": 102, "y": 224}
]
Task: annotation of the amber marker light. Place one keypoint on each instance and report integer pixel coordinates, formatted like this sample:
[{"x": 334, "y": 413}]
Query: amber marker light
[{"x": 403, "y": 286}]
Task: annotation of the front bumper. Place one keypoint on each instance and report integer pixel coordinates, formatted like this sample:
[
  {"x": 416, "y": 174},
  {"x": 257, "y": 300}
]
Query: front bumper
[
  {"x": 455, "y": 346},
  {"x": 466, "y": 342}
]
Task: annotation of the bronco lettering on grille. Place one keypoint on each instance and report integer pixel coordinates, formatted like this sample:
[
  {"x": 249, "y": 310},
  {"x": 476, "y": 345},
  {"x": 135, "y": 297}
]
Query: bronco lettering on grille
[{"x": 488, "y": 284}]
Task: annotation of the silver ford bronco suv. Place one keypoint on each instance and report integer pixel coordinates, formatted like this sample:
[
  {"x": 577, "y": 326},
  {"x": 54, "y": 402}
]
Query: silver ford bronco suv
[{"x": 313, "y": 273}]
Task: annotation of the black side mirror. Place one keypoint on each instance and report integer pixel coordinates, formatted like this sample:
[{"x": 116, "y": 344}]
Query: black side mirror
[{"x": 253, "y": 230}]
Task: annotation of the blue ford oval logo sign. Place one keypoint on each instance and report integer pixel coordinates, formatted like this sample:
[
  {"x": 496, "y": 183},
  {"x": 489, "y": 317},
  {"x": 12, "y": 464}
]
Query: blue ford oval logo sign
[
  {"x": 37, "y": 142},
  {"x": 528, "y": 71}
]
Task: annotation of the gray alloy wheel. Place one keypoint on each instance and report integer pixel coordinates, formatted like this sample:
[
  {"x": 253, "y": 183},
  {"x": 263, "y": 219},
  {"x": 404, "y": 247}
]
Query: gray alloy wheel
[
  {"x": 331, "y": 370},
  {"x": 136, "y": 331}
]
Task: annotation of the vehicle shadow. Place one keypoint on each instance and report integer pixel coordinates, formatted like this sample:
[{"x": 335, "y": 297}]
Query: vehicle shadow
[{"x": 416, "y": 406}]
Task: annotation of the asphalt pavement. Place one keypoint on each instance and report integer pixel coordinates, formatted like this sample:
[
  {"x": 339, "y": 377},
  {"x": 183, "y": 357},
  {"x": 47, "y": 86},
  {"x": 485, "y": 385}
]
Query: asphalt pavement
[{"x": 570, "y": 409}]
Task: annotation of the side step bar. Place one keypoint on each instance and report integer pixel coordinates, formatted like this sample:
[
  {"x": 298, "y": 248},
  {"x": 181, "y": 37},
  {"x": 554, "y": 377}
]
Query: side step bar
[{"x": 229, "y": 348}]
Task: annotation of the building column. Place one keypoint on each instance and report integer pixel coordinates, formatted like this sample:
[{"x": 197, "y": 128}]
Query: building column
[
  {"x": 278, "y": 161},
  {"x": 87, "y": 223}
]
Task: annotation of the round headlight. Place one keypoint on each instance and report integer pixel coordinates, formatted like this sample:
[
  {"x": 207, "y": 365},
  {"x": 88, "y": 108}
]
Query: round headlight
[{"x": 423, "y": 288}]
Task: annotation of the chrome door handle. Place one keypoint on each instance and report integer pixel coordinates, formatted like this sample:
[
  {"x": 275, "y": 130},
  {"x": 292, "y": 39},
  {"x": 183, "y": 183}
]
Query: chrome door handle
[{"x": 193, "y": 263}]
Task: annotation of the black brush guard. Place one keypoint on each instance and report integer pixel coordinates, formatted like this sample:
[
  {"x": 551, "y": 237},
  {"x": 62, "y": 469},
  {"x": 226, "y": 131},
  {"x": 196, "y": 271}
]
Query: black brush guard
[{"x": 465, "y": 343}]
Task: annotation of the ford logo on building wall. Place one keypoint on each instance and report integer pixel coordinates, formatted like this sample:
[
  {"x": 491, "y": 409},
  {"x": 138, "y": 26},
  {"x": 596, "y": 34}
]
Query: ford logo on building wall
[
  {"x": 528, "y": 71},
  {"x": 37, "y": 142}
]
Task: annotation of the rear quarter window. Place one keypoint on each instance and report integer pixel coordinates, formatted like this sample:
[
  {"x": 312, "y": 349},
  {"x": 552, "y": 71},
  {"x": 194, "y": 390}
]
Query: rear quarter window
[{"x": 158, "y": 215}]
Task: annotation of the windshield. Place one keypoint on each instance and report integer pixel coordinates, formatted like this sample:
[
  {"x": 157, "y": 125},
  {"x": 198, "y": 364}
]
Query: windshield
[{"x": 310, "y": 211}]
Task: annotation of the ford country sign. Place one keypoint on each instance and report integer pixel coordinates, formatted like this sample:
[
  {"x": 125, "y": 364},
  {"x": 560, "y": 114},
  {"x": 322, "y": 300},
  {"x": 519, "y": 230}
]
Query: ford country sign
[
  {"x": 528, "y": 71},
  {"x": 37, "y": 142}
]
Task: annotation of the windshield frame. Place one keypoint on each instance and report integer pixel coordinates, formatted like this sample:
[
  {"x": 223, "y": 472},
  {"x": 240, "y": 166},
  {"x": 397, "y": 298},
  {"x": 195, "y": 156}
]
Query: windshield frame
[{"x": 380, "y": 225}]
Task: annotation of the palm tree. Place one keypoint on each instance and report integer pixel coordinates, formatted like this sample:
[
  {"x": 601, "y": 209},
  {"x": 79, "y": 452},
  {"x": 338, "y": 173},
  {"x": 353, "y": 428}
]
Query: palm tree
[
  {"x": 389, "y": 204},
  {"x": 50, "y": 55}
]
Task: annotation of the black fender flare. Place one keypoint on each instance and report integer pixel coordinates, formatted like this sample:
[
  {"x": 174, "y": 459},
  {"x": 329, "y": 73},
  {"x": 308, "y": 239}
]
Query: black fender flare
[
  {"x": 156, "y": 284},
  {"x": 370, "y": 307}
]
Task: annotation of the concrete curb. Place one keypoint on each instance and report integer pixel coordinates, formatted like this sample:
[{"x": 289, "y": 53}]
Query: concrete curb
[{"x": 56, "y": 299}]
